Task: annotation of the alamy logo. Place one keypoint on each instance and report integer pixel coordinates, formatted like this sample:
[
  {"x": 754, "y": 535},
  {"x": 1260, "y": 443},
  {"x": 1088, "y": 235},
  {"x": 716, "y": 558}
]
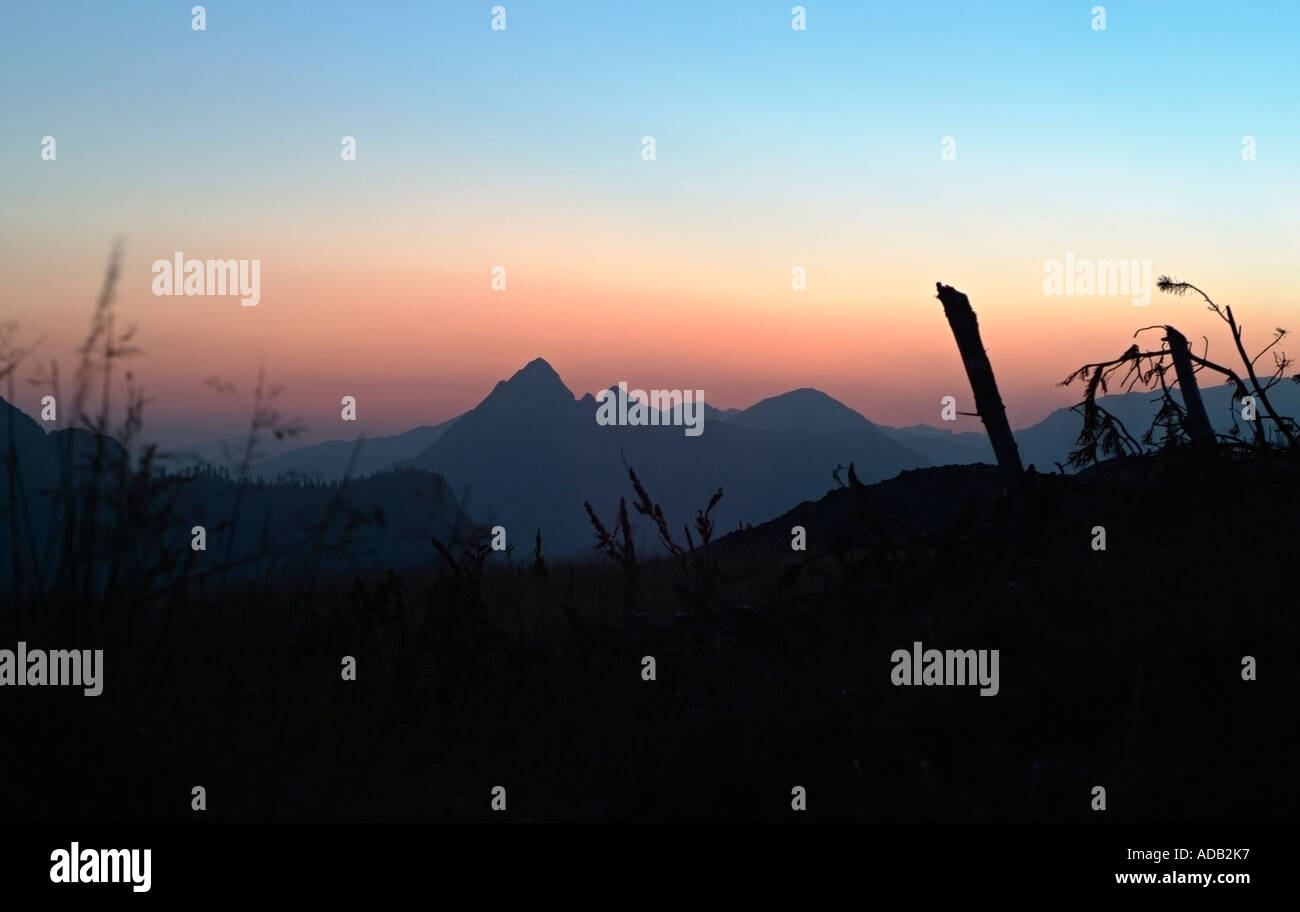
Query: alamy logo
[
  {"x": 954, "y": 667},
  {"x": 1131, "y": 278},
  {"x": 78, "y": 865},
  {"x": 180, "y": 276},
  {"x": 59, "y": 667},
  {"x": 636, "y": 408}
]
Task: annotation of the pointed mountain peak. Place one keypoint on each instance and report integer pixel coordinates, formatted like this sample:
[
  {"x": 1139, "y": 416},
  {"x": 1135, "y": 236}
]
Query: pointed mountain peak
[
  {"x": 537, "y": 370},
  {"x": 535, "y": 385}
]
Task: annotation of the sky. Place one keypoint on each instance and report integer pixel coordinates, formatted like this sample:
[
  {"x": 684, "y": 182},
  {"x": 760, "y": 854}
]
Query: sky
[{"x": 775, "y": 149}]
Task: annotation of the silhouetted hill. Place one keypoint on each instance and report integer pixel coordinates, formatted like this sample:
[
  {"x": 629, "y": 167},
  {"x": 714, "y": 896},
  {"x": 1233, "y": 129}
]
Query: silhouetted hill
[
  {"x": 944, "y": 447},
  {"x": 383, "y": 521},
  {"x": 36, "y": 469},
  {"x": 922, "y": 501},
  {"x": 800, "y": 410},
  {"x": 24, "y": 441},
  {"x": 329, "y": 461},
  {"x": 1051, "y": 440}
]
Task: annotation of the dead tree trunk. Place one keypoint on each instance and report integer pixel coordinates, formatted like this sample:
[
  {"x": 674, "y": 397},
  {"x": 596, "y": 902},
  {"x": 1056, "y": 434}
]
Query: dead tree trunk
[
  {"x": 966, "y": 330},
  {"x": 1197, "y": 423}
]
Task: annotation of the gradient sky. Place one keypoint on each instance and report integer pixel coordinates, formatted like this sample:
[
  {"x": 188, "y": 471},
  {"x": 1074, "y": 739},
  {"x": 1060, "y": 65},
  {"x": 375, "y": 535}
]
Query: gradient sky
[{"x": 775, "y": 149}]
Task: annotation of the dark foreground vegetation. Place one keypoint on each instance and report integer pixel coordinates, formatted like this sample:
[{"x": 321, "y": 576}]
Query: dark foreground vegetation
[{"x": 1119, "y": 668}]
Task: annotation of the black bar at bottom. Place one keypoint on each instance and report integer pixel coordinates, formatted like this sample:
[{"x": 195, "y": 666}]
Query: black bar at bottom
[{"x": 335, "y": 861}]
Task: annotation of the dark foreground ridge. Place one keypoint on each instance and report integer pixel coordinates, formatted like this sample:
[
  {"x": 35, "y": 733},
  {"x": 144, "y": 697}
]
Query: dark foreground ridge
[{"x": 772, "y": 670}]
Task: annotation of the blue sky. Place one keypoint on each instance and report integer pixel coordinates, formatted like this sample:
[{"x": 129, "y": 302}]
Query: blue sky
[{"x": 773, "y": 147}]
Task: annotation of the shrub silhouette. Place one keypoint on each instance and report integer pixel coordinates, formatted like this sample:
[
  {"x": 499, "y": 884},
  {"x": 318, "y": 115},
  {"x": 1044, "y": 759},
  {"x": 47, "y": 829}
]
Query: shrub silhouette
[{"x": 1104, "y": 435}]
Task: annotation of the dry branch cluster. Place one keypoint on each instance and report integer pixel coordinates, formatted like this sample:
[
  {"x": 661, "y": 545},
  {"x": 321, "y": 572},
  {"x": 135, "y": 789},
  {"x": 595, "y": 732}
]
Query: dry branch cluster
[{"x": 1175, "y": 366}]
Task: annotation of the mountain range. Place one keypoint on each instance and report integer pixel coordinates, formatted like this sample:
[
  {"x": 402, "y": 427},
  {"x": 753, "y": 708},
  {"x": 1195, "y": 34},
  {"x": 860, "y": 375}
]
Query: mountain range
[
  {"x": 531, "y": 455},
  {"x": 74, "y": 479},
  {"x": 1043, "y": 444}
]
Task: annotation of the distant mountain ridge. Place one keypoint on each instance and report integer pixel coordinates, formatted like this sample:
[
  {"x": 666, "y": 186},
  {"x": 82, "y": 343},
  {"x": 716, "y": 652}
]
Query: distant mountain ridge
[
  {"x": 384, "y": 521},
  {"x": 333, "y": 460},
  {"x": 803, "y": 409},
  {"x": 531, "y": 454}
]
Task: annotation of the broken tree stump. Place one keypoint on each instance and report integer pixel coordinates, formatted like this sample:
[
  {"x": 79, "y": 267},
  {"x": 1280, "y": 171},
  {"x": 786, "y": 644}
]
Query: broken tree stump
[
  {"x": 966, "y": 330},
  {"x": 1197, "y": 423}
]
